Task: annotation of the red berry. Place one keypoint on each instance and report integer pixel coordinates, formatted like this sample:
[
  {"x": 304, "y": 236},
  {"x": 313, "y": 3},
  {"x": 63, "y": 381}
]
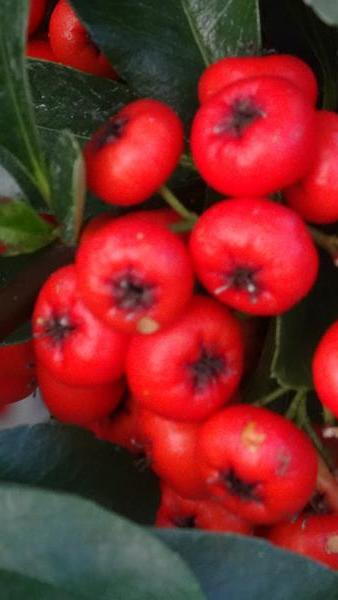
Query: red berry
[
  {"x": 69, "y": 340},
  {"x": 315, "y": 536},
  {"x": 325, "y": 369},
  {"x": 121, "y": 427},
  {"x": 175, "y": 511},
  {"x": 78, "y": 405},
  {"x": 315, "y": 197},
  {"x": 257, "y": 463},
  {"x": 40, "y": 48},
  {"x": 234, "y": 68},
  {"x": 254, "y": 254},
  {"x": 36, "y": 12},
  {"x": 135, "y": 274},
  {"x": 17, "y": 371},
  {"x": 192, "y": 367},
  {"x": 134, "y": 153},
  {"x": 171, "y": 450},
  {"x": 72, "y": 45},
  {"x": 254, "y": 137}
]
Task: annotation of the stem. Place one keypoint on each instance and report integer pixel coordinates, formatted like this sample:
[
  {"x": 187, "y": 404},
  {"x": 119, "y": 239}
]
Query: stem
[
  {"x": 176, "y": 205},
  {"x": 304, "y": 422},
  {"x": 327, "y": 242},
  {"x": 181, "y": 226},
  {"x": 328, "y": 417},
  {"x": 270, "y": 397},
  {"x": 293, "y": 408},
  {"x": 18, "y": 296}
]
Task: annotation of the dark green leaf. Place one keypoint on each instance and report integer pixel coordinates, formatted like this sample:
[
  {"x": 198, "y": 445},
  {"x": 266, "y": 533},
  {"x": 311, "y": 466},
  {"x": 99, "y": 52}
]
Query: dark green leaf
[
  {"x": 299, "y": 330},
  {"x": 81, "y": 549},
  {"x": 67, "y": 169},
  {"x": 327, "y": 10},
  {"x": 161, "y": 48},
  {"x": 18, "y": 131},
  {"x": 68, "y": 99},
  {"x": 243, "y": 568},
  {"x": 307, "y": 37},
  {"x": 21, "y": 334},
  {"x": 20, "y": 587},
  {"x": 21, "y": 229},
  {"x": 69, "y": 459}
]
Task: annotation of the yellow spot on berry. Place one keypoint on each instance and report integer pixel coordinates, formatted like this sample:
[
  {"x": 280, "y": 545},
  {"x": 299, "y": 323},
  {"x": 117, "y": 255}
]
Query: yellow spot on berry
[
  {"x": 146, "y": 325},
  {"x": 251, "y": 437}
]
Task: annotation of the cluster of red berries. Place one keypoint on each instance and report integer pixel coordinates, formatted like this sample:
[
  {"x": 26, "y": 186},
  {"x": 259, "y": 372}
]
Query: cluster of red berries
[
  {"x": 66, "y": 40},
  {"x": 127, "y": 347}
]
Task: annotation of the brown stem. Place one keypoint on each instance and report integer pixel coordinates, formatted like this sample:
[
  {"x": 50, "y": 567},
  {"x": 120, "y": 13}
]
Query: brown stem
[{"x": 18, "y": 296}]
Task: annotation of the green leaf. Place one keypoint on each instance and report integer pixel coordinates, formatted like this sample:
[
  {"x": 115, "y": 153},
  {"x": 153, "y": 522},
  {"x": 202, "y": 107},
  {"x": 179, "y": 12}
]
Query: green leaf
[
  {"x": 241, "y": 568},
  {"x": 67, "y": 169},
  {"x": 161, "y": 49},
  {"x": 21, "y": 334},
  {"x": 21, "y": 229},
  {"x": 20, "y": 587},
  {"x": 81, "y": 549},
  {"x": 299, "y": 330},
  {"x": 327, "y": 10},
  {"x": 69, "y": 459},
  {"x": 68, "y": 99},
  {"x": 308, "y": 37},
  {"x": 18, "y": 133}
]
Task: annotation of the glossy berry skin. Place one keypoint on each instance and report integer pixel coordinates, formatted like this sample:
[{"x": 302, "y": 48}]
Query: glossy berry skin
[
  {"x": 17, "y": 371},
  {"x": 78, "y": 405},
  {"x": 69, "y": 340},
  {"x": 234, "y": 68},
  {"x": 315, "y": 197},
  {"x": 254, "y": 137},
  {"x": 175, "y": 511},
  {"x": 325, "y": 369},
  {"x": 257, "y": 463},
  {"x": 254, "y": 255},
  {"x": 36, "y": 12},
  {"x": 193, "y": 367},
  {"x": 134, "y": 152},
  {"x": 40, "y": 48},
  {"x": 315, "y": 536},
  {"x": 135, "y": 274},
  {"x": 171, "y": 450},
  {"x": 72, "y": 45}
]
